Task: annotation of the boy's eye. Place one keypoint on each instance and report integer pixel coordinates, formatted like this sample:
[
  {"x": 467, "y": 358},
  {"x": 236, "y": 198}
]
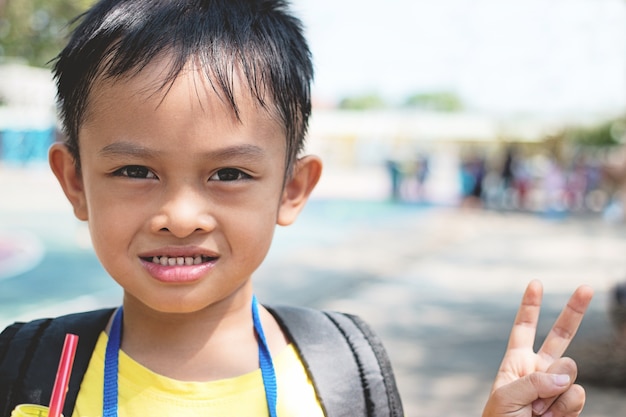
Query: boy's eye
[
  {"x": 135, "y": 171},
  {"x": 229, "y": 174}
]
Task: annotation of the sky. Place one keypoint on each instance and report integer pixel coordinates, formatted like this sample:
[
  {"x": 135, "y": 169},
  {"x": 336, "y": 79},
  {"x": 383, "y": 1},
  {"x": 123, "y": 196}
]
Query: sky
[{"x": 547, "y": 57}]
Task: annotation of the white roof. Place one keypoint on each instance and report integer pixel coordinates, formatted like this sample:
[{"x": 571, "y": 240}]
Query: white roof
[{"x": 28, "y": 96}]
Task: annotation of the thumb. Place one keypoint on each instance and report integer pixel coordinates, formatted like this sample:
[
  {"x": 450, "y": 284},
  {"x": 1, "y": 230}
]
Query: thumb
[
  {"x": 565, "y": 366},
  {"x": 517, "y": 397}
]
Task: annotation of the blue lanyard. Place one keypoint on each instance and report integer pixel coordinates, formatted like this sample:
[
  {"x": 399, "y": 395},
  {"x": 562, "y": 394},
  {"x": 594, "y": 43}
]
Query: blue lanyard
[{"x": 111, "y": 360}]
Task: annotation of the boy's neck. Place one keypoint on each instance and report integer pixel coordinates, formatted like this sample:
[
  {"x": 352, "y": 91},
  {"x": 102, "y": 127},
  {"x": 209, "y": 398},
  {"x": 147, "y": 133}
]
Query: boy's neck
[{"x": 215, "y": 343}]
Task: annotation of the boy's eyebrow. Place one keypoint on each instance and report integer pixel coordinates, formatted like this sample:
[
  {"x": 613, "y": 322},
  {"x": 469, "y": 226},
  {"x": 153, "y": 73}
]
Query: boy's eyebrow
[
  {"x": 237, "y": 151},
  {"x": 132, "y": 149},
  {"x": 126, "y": 149}
]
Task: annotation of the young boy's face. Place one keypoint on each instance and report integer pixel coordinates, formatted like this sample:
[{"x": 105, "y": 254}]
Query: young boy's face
[{"x": 180, "y": 196}]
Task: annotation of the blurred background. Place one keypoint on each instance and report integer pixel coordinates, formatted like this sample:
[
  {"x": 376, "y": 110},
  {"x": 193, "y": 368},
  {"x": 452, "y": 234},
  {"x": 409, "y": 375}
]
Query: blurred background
[{"x": 469, "y": 146}]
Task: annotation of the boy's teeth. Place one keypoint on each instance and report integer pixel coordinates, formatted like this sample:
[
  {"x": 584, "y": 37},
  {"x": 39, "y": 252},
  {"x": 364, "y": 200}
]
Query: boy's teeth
[{"x": 177, "y": 260}]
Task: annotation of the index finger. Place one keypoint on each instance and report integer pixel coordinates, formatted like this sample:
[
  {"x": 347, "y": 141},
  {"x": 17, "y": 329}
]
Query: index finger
[
  {"x": 566, "y": 325},
  {"x": 525, "y": 325}
]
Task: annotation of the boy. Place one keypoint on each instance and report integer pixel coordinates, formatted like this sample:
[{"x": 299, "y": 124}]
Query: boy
[{"x": 185, "y": 121}]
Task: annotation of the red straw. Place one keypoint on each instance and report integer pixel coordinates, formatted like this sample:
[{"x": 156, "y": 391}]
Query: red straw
[{"x": 63, "y": 375}]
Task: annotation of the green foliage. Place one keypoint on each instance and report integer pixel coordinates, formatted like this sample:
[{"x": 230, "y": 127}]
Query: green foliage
[
  {"x": 434, "y": 101},
  {"x": 610, "y": 133},
  {"x": 437, "y": 101},
  {"x": 36, "y": 30},
  {"x": 364, "y": 102}
]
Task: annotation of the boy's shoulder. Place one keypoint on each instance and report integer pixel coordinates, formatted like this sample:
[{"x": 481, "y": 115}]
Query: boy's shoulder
[{"x": 337, "y": 350}]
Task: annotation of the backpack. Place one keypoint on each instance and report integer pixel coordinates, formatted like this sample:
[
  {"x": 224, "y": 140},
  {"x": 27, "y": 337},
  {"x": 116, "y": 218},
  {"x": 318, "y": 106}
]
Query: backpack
[{"x": 338, "y": 350}]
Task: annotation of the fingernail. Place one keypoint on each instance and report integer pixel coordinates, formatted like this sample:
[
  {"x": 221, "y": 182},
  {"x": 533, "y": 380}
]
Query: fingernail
[
  {"x": 538, "y": 406},
  {"x": 561, "y": 379},
  {"x": 548, "y": 414}
]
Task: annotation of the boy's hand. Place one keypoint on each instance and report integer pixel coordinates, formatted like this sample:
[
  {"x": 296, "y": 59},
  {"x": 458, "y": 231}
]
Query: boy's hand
[{"x": 539, "y": 384}]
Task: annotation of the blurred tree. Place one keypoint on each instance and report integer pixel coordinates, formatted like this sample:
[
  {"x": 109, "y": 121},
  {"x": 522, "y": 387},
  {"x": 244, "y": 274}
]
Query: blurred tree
[
  {"x": 438, "y": 101},
  {"x": 610, "y": 133},
  {"x": 36, "y": 30},
  {"x": 364, "y": 102}
]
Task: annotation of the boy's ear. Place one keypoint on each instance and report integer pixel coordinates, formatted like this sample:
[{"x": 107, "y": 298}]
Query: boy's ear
[
  {"x": 64, "y": 168},
  {"x": 298, "y": 188}
]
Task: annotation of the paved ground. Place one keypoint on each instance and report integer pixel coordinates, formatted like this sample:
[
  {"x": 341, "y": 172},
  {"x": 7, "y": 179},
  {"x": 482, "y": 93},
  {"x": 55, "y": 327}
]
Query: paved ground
[
  {"x": 441, "y": 287},
  {"x": 442, "y": 290}
]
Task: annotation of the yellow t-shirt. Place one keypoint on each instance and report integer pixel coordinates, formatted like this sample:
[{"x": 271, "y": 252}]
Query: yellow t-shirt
[{"x": 145, "y": 393}]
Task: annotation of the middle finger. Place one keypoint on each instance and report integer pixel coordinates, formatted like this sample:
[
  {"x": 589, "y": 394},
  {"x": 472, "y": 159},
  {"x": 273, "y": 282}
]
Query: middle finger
[{"x": 566, "y": 325}]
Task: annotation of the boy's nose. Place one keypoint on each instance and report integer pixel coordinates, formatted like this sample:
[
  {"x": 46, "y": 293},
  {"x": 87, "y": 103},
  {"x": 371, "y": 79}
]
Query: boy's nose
[{"x": 183, "y": 212}]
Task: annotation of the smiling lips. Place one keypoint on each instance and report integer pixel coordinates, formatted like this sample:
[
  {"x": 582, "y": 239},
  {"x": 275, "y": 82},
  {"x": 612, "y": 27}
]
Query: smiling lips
[{"x": 178, "y": 269}]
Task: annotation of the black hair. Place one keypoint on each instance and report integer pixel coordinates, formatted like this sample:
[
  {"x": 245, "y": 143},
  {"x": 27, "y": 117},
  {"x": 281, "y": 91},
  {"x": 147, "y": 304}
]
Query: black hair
[{"x": 259, "y": 38}]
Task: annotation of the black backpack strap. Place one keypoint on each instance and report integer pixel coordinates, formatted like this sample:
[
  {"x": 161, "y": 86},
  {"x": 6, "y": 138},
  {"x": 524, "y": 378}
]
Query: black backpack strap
[
  {"x": 31, "y": 356},
  {"x": 18, "y": 342},
  {"x": 337, "y": 350},
  {"x": 5, "y": 338}
]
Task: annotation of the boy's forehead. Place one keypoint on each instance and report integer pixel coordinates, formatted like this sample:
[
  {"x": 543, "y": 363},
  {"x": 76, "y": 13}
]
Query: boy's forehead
[
  {"x": 154, "y": 84},
  {"x": 151, "y": 104}
]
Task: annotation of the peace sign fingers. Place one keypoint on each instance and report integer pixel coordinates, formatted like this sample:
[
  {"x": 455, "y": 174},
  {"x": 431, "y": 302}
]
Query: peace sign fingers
[{"x": 543, "y": 382}]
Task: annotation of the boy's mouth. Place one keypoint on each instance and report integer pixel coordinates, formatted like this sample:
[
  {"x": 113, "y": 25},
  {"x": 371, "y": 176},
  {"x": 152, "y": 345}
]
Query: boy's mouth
[{"x": 179, "y": 260}]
